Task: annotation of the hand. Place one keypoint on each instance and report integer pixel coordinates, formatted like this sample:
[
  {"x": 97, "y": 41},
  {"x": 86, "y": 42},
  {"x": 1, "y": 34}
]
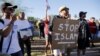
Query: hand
[
  {"x": 50, "y": 32},
  {"x": 13, "y": 18},
  {"x": 25, "y": 37}
]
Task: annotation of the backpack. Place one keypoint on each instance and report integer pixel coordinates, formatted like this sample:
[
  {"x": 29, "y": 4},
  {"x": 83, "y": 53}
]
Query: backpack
[{"x": 1, "y": 38}]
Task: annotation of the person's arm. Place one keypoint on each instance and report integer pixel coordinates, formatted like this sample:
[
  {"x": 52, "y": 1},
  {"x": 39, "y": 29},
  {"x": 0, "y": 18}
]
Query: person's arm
[
  {"x": 1, "y": 27},
  {"x": 88, "y": 31},
  {"x": 0, "y": 31},
  {"x": 8, "y": 28}
]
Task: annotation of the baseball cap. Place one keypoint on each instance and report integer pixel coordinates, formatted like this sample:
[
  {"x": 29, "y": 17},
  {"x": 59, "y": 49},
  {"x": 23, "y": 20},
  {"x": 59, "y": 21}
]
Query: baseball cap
[
  {"x": 63, "y": 8},
  {"x": 82, "y": 13},
  {"x": 8, "y": 5}
]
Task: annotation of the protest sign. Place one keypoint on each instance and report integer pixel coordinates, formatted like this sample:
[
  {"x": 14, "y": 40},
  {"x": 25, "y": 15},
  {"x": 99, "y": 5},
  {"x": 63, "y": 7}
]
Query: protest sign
[{"x": 65, "y": 33}]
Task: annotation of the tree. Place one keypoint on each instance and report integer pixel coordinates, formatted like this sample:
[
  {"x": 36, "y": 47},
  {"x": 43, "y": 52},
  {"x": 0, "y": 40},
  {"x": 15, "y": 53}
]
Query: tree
[{"x": 32, "y": 19}]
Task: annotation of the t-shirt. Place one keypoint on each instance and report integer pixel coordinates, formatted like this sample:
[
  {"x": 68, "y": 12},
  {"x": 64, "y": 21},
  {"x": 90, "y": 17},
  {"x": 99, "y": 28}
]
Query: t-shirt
[
  {"x": 14, "y": 46},
  {"x": 41, "y": 26},
  {"x": 1, "y": 25},
  {"x": 23, "y": 25},
  {"x": 92, "y": 26}
]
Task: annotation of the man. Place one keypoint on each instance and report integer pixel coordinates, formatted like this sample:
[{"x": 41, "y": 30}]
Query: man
[
  {"x": 63, "y": 14},
  {"x": 84, "y": 34},
  {"x": 24, "y": 25},
  {"x": 1, "y": 38},
  {"x": 48, "y": 37},
  {"x": 41, "y": 28},
  {"x": 93, "y": 29},
  {"x": 10, "y": 42}
]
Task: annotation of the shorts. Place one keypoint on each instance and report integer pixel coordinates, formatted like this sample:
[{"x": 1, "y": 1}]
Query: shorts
[{"x": 48, "y": 38}]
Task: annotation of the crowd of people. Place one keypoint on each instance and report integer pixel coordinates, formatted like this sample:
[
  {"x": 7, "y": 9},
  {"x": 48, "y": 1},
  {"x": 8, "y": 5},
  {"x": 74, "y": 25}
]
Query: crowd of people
[
  {"x": 15, "y": 31},
  {"x": 88, "y": 29}
]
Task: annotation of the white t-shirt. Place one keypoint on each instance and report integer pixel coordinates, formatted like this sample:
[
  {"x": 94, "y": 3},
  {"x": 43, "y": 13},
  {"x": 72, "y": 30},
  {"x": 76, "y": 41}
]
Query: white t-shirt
[
  {"x": 1, "y": 25},
  {"x": 23, "y": 24},
  {"x": 14, "y": 46}
]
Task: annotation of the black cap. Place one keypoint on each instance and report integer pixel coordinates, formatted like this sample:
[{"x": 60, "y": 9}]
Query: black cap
[
  {"x": 7, "y": 5},
  {"x": 82, "y": 13},
  {"x": 14, "y": 7}
]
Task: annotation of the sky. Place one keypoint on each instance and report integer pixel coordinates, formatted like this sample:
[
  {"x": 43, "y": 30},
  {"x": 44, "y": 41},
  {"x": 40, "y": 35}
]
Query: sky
[{"x": 37, "y": 8}]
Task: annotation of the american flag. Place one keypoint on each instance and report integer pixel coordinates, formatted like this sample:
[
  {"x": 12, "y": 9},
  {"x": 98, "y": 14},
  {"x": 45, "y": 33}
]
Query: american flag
[
  {"x": 47, "y": 5},
  {"x": 47, "y": 8}
]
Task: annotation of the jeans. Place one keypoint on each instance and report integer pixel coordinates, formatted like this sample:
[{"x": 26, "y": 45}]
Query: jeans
[
  {"x": 1, "y": 54},
  {"x": 28, "y": 46}
]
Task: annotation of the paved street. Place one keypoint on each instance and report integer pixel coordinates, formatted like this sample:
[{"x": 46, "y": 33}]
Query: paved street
[{"x": 88, "y": 53}]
